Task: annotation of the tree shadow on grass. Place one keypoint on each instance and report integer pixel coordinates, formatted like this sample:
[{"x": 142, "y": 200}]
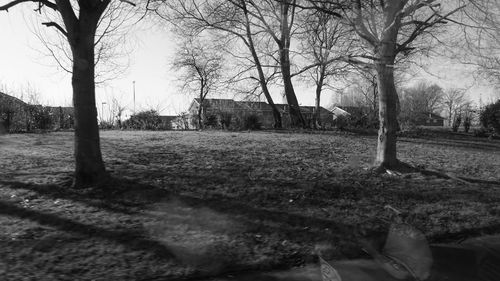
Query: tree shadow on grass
[
  {"x": 131, "y": 239},
  {"x": 106, "y": 196},
  {"x": 479, "y": 145}
]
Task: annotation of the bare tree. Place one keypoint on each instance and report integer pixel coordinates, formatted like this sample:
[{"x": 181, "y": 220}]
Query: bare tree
[
  {"x": 202, "y": 66},
  {"x": 480, "y": 44},
  {"x": 418, "y": 102},
  {"x": 453, "y": 101},
  {"x": 390, "y": 29},
  {"x": 325, "y": 42},
  {"x": 277, "y": 19},
  {"x": 80, "y": 21},
  {"x": 233, "y": 20}
]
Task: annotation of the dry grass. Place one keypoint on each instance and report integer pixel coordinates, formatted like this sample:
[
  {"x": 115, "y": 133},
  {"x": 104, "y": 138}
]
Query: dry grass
[{"x": 186, "y": 204}]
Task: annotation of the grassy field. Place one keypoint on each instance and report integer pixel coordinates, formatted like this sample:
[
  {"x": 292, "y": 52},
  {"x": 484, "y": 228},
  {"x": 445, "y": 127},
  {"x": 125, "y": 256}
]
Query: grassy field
[{"x": 185, "y": 205}]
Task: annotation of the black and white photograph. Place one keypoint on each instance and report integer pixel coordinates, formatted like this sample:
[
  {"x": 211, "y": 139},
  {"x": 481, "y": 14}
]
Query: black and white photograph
[{"x": 250, "y": 140}]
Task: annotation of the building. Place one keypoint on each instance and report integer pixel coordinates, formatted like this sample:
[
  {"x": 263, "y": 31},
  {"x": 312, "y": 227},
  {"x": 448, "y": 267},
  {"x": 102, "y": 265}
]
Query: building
[
  {"x": 18, "y": 116},
  {"x": 430, "y": 119},
  {"x": 219, "y": 110}
]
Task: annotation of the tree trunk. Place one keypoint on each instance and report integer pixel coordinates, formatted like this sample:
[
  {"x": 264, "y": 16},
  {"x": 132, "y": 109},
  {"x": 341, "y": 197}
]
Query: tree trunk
[
  {"x": 296, "y": 118},
  {"x": 262, "y": 79},
  {"x": 386, "y": 149},
  {"x": 89, "y": 164},
  {"x": 200, "y": 111},
  {"x": 319, "y": 88}
]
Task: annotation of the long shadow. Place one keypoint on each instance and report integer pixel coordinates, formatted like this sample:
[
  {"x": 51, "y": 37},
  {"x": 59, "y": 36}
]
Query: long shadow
[
  {"x": 131, "y": 239},
  {"x": 102, "y": 197},
  {"x": 454, "y": 143}
]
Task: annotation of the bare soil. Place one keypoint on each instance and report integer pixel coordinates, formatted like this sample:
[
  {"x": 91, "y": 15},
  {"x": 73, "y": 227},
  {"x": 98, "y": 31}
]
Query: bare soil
[{"x": 187, "y": 205}]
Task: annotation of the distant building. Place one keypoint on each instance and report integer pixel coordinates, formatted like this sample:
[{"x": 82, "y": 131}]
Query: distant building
[
  {"x": 18, "y": 116},
  {"x": 429, "y": 119},
  {"x": 221, "y": 107},
  {"x": 167, "y": 121}
]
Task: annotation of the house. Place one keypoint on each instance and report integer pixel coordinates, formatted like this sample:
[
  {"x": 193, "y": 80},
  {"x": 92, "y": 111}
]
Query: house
[
  {"x": 13, "y": 112},
  {"x": 429, "y": 119},
  {"x": 17, "y": 116},
  {"x": 167, "y": 121},
  {"x": 222, "y": 109}
]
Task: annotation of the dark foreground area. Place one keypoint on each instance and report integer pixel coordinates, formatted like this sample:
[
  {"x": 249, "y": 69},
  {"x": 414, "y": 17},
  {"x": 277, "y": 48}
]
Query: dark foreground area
[{"x": 187, "y": 205}]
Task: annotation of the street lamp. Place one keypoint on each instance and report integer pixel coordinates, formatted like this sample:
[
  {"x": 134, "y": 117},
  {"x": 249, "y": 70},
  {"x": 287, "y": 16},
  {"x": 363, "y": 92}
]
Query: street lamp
[
  {"x": 102, "y": 111},
  {"x": 133, "y": 82}
]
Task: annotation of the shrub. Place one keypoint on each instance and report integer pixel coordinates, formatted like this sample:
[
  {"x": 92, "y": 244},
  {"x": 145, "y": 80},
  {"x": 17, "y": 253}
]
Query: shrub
[
  {"x": 467, "y": 123},
  {"x": 490, "y": 117},
  {"x": 481, "y": 133},
  {"x": 42, "y": 117},
  {"x": 252, "y": 122},
  {"x": 144, "y": 120},
  {"x": 210, "y": 121},
  {"x": 456, "y": 123},
  {"x": 225, "y": 119},
  {"x": 245, "y": 121}
]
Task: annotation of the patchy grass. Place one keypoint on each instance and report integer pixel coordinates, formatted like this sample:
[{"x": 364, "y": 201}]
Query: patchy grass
[{"x": 191, "y": 204}]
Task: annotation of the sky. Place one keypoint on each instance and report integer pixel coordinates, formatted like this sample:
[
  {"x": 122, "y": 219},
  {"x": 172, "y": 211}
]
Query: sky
[{"x": 156, "y": 85}]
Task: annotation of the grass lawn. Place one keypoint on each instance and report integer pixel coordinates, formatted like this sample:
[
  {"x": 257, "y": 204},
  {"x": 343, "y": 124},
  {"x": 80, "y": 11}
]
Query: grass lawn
[{"x": 184, "y": 205}]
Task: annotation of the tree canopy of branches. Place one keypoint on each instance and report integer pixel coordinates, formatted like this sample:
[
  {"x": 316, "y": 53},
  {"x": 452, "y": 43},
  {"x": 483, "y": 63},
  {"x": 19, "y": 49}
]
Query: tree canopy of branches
[
  {"x": 231, "y": 20},
  {"x": 325, "y": 41},
  {"x": 79, "y": 25},
  {"x": 390, "y": 29},
  {"x": 480, "y": 43},
  {"x": 202, "y": 67},
  {"x": 419, "y": 101}
]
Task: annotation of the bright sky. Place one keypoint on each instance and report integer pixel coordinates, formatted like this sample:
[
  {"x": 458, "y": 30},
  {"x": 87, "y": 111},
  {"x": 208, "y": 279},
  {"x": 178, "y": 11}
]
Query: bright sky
[{"x": 156, "y": 85}]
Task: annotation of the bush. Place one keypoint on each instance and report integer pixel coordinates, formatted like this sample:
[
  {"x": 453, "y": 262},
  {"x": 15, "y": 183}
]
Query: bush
[
  {"x": 42, "y": 117},
  {"x": 210, "y": 121},
  {"x": 456, "y": 123},
  {"x": 467, "y": 123},
  {"x": 245, "y": 121},
  {"x": 482, "y": 133},
  {"x": 490, "y": 117},
  {"x": 144, "y": 120},
  {"x": 251, "y": 122}
]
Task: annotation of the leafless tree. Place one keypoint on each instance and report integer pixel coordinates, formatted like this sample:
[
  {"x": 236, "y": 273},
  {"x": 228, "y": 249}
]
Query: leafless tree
[
  {"x": 391, "y": 29},
  {"x": 418, "y": 102},
  {"x": 480, "y": 44},
  {"x": 233, "y": 20},
  {"x": 325, "y": 41},
  {"x": 202, "y": 69},
  {"x": 277, "y": 19},
  {"x": 453, "y": 101},
  {"x": 77, "y": 22}
]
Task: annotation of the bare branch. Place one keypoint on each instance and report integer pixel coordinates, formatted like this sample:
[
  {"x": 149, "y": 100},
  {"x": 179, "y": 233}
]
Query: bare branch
[{"x": 57, "y": 26}]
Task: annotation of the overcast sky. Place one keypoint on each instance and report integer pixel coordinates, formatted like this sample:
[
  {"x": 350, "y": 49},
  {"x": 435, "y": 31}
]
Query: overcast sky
[{"x": 21, "y": 62}]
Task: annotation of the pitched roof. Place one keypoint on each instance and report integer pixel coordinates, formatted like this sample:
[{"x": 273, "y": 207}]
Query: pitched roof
[
  {"x": 254, "y": 105},
  {"x": 11, "y": 98}
]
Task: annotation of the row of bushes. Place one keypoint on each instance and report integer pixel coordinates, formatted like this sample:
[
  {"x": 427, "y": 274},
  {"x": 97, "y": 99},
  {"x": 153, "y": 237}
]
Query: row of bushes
[
  {"x": 230, "y": 121},
  {"x": 146, "y": 120},
  {"x": 35, "y": 117}
]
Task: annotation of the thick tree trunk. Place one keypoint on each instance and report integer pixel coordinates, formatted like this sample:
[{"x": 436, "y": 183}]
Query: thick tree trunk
[
  {"x": 388, "y": 99},
  {"x": 89, "y": 164}
]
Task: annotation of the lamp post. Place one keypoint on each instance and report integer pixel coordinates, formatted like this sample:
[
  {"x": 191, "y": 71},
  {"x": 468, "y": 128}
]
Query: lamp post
[
  {"x": 133, "y": 83},
  {"x": 102, "y": 111}
]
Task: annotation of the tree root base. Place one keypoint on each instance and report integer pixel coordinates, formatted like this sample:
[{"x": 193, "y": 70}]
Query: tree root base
[{"x": 401, "y": 168}]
